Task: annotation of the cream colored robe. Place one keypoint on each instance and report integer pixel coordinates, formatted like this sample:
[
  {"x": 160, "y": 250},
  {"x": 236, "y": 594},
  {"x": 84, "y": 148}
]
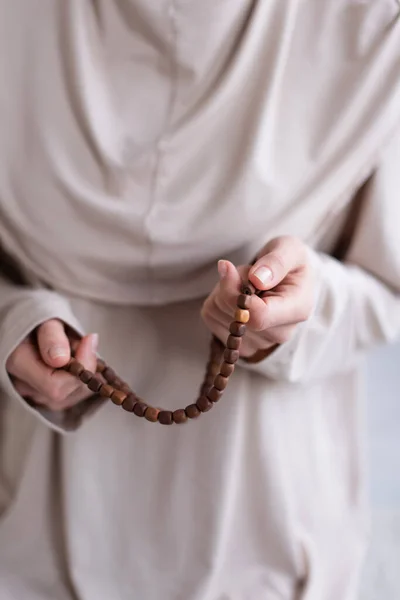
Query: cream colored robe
[{"x": 140, "y": 142}]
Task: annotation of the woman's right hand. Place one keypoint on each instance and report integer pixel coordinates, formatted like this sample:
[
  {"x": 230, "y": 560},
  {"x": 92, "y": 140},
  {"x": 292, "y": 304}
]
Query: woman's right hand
[{"x": 33, "y": 366}]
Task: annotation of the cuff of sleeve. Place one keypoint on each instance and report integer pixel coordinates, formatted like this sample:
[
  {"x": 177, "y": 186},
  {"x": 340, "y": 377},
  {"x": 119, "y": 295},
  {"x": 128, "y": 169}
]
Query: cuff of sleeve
[{"x": 29, "y": 312}]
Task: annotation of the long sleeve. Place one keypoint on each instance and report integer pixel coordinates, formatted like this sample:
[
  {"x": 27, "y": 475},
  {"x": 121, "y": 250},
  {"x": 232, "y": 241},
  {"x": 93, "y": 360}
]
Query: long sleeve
[
  {"x": 357, "y": 299},
  {"x": 21, "y": 310}
]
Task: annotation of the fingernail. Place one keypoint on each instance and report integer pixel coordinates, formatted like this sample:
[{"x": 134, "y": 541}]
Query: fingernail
[
  {"x": 95, "y": 341},
  {"x": 263, "y": 274},
  {"x": 58, "y": 352},
  {"x": 222, "y": 269}
]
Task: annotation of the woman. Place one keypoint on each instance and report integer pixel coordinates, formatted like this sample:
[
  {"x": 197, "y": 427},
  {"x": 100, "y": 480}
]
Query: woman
[{"x": 141, "y": 143}]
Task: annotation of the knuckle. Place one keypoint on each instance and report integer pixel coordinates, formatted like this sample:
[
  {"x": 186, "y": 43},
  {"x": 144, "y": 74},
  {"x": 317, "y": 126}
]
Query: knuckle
[
  {"x": 305, "y": 310},
  {"x": 260, "y": 321},
  {"x": 55, "y": 393},
  {"x": 282, "y": 335},
  {"x": 205, "y": 309}
]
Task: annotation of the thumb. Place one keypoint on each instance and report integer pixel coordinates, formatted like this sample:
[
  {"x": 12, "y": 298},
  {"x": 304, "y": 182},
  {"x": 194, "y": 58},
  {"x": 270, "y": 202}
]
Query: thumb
[{"x": 53, "y": 343}]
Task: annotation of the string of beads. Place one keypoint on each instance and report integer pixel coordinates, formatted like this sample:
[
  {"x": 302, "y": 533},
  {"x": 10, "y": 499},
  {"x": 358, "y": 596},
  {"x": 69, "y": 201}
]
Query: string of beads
[{"x": 219, "y": 368}]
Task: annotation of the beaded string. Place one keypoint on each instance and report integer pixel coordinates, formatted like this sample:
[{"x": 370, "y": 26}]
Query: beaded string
[{"x": 219, "y": 368}]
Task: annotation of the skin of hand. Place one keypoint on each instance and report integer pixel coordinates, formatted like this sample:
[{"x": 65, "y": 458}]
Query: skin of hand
[
  {"x": 34, "y": 366},
  {"x": 283, "y": 271}
]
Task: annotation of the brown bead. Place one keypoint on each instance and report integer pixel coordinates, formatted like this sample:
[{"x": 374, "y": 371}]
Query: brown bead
[
  {"x": 101, "y": 365},
  {"x": 214, "y": 395},
  {"x": 151, "y": 414},
  {"x": 242, "y": 316},
  {"x": 238, "y": 329},
  {"x": 117, "y": 383},
  {"x": 124, "y": 387},
  {"x": 205, "y": 388},
  {"x": 179, "y": 416},
  {"x": 109, "y": 374},
  {"x": 129, "y": 402},
  {"x": 213, "y": 368},
  {"x": 227, "y": 369},
  {"x": 233, "y": 342},
  {"x": 209, "y": 380},
  {"x": 165, "y": 417},
  {"x": 220, "y": 382},
  {"x": 204, "y": 404},
  {"x": 192, "y": 411},
  {"x": 216, "y": 346},
  {"x": 244, "y": 302},
  {"x": 231, "y": 356},
  {"x": 118, "y": 397},
  {"x": 75, "y": 368},
  {"x": 248, "y": 289},
  {"x": 106, "y": 390},
  {"x": 95, "y": 385},
  {"x": 140, "y": 408},
  {"x": 86, "y": 376}
]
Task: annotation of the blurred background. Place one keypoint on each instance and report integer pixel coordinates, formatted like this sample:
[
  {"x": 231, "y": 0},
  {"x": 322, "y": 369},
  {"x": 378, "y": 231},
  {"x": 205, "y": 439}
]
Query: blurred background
[{"x": 381, "y": 579}]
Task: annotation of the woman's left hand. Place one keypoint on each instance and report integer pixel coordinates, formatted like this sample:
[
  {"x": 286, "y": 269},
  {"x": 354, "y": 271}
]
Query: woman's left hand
[{"x": 284, "y": 272}]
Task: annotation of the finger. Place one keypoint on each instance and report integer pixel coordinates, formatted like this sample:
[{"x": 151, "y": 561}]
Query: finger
[
  {"x": 86, "y": 351},
  {"x": 230, "y": 281},
  {"x": 55, "y": 388},
  {"x": 24, "y": 389},
  {"x": 53, "y": 344},
  {"x": 26, "y": 364},
  {"x": 252, "y": 341},
  {"x": 282, "y": 256},
  {"x": 32, "y": 395},
  {"x": 211, "y": 312},
  {"x": 287, "y": 308}
]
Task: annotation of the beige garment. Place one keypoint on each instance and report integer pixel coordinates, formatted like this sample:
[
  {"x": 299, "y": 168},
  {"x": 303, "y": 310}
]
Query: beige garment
[{"x": 140, "y": 142}]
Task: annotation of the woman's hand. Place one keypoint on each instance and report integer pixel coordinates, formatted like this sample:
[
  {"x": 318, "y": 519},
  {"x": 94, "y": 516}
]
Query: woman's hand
[
  {"x": 32, "y": 366},
  {"x": 283, "y": 271}
]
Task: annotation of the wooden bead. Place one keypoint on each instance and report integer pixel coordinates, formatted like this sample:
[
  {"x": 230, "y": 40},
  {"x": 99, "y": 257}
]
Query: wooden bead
[
  {"x": 238, "y": 329},
  {"x": 231, "y": 356},
  {"x": 220, "y": 382},
  {"x": 101, "y": 365},
  {"x": 165, "y": 417},
  {"x": 227, "y": 369},
  {"x": 124, "y": 387},
  {"x": 118, "y": 397},
  {"x": 192, "y": 411},
  {"x": 106, "y": 391},
  {"x": 129, "y": 402},
  {"x": 204, "y": 404},
  {"x": 214, "y": 395},
  {"x": 248, "y": 289},
  {"x": 213, "y": 368},
  {"x": 109, "y": 374},
  {"x": 242, "y": 316},
  {"x": 216, "y": 346},
  {"x": 234, "y": 342},
  {"x": 75, "y": 368},
  {"x": 117, "y": 383},
  {"x": 95, "y": 385},
  {"x": 140, "y": 408},
  {"x": 244, "y": 302},
  {"x": 209, "y": 380},
  {"x": 151, "y": 414},
  {"x": 179, "y": 416},
  {"x": 86, "y": 376},
  {"x": 205, "y": 388}
]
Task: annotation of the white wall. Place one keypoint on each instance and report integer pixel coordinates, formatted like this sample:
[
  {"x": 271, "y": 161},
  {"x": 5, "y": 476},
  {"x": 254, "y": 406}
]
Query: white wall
[{"x": 381, "y": 579}]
